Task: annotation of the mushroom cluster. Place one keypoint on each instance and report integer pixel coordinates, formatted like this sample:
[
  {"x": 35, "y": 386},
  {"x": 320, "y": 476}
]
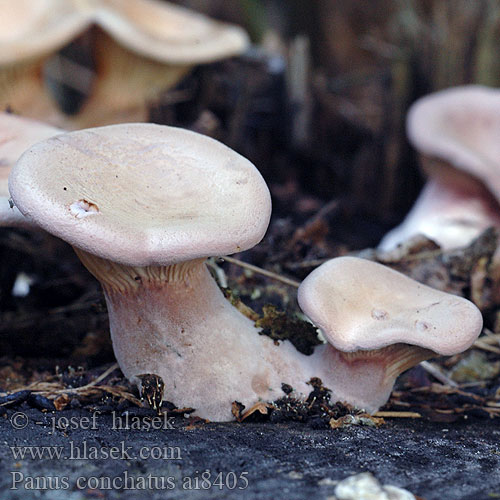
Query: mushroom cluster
[
  {"x": 166, "y": 199},
  {"x": 144, "y": 205},
  {"x": 456, "y": 132},
  {"x": 142, "y": 47}
]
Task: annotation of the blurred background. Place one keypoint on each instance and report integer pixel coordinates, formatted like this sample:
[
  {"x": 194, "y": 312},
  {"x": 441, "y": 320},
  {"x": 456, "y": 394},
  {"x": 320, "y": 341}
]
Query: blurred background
[{"x": 318, "y": 102}]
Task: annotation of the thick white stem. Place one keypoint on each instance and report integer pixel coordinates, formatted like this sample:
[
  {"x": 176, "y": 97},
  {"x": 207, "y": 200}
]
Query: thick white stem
[
  {"x": 175, "y": 323},
  {"x": 118, "y": 99},
  {"x": 365, "y": 379}
]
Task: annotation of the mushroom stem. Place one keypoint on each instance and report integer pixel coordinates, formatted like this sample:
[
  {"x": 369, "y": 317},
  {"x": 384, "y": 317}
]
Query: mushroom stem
[
  {"x": 116, "y": 99},
  {"x": 22, "y": 90},
  {"x": 365, "y": 378},
  {"x": 451, "y": 210},
  {"x": 174, "y": 322}
]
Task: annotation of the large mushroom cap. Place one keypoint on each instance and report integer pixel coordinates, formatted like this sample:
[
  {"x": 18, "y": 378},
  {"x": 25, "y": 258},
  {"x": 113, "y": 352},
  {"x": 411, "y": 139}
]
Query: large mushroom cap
[
  {"x": 30, "y": 29},
  {"x": 169, "y": 33},
  {"x": 460, "y": 126},
  {"x": 362, "y": 305},
  {"x": 143, "y": 194}
]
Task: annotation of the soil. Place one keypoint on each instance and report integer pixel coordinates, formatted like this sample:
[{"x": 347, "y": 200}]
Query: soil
[{"x": 284, "y": 461}]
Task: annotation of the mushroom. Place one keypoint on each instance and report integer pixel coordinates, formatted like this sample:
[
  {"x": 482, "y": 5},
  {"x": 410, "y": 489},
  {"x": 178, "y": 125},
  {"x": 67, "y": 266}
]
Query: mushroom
[
  {"x": 142, "y": 47},
  {"x": 379, "y": 323},
  {"x": 16, "y": 135},
  {"x": 29, "y": 33},
  {"x": 457, "y": 134},
  {"x": 144, "y": 205},
  {"x": 168, "y": 32},
  {"x": 449, "y": 212},
  {"x": 365, "y": 486},
  {"x": 153, "y": 44}
]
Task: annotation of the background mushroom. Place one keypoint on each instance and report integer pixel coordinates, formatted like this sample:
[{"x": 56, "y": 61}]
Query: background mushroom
[
  {"x": 145, "y": 47},
  {"x": 379, "y": 323},
  {"x": 140, "y": 47},
  {"x": 29, "y": 33},
  {"x": 450, "y": 210},
  {"x": 456, "y": 132}
]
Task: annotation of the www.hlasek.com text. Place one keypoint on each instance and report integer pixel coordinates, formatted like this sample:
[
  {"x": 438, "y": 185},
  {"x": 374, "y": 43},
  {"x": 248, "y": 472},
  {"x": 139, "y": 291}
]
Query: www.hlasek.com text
[{"x": 88, "y": 451}]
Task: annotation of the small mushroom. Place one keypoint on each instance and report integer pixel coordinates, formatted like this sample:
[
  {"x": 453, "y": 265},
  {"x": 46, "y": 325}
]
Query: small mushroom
[
  {"x": 144, "y": 205},
  {"x": 379, "y": 323},
  {"x": 457, "y": 135},
  {"x": 16, "y": 135},
  {"x": 365, "y": 486}
]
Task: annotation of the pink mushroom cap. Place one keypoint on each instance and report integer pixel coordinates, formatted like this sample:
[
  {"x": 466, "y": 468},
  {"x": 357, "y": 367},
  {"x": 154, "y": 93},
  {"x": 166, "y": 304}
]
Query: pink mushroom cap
[
  {"x": 460, "y": 126},
  {"x": 36, "y": 28},
  {"x": 363, "y": 305},
  {"x": 143, "y": 194}
]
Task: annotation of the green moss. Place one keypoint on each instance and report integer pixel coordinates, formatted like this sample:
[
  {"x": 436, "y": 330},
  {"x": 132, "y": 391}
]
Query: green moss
[{"x": 280, "y": 326}]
